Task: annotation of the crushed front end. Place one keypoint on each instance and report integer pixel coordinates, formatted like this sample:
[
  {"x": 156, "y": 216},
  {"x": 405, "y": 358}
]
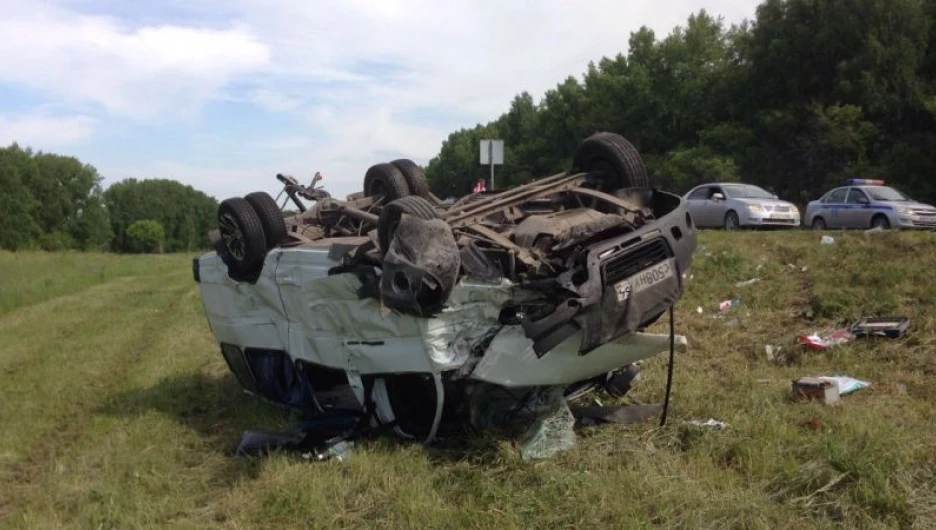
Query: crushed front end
[{"x": 415, "y": 310}]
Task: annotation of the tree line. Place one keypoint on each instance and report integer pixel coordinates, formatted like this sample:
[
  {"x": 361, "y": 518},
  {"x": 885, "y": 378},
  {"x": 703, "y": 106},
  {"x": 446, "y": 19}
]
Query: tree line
[
  {"x": 54, "y": 202},
  {"x": 806, "y": 95}
]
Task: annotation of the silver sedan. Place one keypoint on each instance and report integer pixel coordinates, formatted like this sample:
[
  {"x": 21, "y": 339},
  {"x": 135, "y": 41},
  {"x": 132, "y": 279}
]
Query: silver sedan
[
  {"x": 732, "y": 205},
  {"x": 864, "y": 203}
]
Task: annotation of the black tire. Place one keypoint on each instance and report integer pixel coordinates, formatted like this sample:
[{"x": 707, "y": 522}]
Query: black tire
[
  {"x": 880, "y": 221},
  {"x": 241, "y": 236},
  {"x": 415, "y": 178},
  {"x": 818, "y": 223},
  {"x": 612, "y": 160},
  {"x": 271, "y": 217},
  {"x": 392, "y": 213},
  {"x": 731, "y": 221},
  {"x": 384, "y": 180}
]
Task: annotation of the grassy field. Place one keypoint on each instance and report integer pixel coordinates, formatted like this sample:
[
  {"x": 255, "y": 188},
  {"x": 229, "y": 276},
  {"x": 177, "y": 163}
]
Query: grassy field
[{"x": 118, "y": 411}]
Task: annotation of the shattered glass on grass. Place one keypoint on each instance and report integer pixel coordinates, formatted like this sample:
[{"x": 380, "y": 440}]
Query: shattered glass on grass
[{"x": 538, "y": 416}]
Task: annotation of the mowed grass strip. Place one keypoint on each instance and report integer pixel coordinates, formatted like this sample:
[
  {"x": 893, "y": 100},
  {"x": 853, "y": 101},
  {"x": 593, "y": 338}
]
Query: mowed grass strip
[
  {"x": 132, "y": 424},
  {"x": 31, "y": 277}
]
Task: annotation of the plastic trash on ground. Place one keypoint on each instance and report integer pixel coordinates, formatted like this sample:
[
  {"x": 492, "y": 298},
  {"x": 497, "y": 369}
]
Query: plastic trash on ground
[
  {"x": 726, "y": 305},
  {"x": 827, "y": 240},
  {"x": 339, "y": 451},
  {"x": 847, "y": 385},
  {"x": 746, "y": 283},
  {"x": 771, "y": 351},
  {"x": 713, "y": 423},
  {"x": 822, "y": 342}
]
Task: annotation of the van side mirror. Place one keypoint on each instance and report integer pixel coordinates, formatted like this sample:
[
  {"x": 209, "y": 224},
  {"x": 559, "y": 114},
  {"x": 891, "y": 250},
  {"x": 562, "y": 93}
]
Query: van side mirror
[{"x": 718, "y": 197}]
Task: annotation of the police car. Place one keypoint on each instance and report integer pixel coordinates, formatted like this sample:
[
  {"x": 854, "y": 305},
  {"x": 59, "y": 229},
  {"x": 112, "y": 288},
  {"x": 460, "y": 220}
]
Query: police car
[{"x": 864, "y": 203}]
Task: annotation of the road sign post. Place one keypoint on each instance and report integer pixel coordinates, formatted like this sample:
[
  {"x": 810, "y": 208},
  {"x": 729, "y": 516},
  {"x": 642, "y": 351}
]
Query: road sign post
[{"x": 492, "y": 152}]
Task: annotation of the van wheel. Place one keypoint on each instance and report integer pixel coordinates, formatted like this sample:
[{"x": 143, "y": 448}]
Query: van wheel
[
  {"x": 385, "y": 181},
  {"x": 242, "y": 239},
  {"x": 271, "y": 217},
  {"x": 611, "y": 160},
  {"x": 414, "y": 176}
]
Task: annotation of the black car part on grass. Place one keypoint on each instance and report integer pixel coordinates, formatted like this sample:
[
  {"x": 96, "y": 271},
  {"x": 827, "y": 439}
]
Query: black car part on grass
[{"x": 890, "y": 327}]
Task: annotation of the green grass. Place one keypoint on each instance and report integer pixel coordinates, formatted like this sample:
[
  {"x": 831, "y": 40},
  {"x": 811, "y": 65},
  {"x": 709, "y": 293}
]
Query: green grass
[
  {"x": 32, "y": 277},
  {"x": 118, "y": 411}
]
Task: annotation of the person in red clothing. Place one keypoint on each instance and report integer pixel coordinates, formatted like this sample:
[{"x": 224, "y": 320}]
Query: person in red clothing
[{"x": 479, "y": 186}]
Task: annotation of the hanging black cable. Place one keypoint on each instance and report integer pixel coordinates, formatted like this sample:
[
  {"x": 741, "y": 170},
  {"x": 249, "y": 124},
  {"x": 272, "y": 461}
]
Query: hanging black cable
[{"x": 669, "y": 370}]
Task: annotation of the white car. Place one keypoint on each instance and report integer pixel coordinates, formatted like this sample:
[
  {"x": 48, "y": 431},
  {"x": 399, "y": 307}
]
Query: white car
[{"x": 732, "y": 205}]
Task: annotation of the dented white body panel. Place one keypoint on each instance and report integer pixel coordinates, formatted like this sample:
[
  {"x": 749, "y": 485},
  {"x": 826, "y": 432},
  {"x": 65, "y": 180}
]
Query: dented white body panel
[{"x": 297, "y": 307}]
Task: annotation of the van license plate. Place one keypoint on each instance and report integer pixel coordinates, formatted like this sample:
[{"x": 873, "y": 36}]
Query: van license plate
[{"x": 644, "y": 279}]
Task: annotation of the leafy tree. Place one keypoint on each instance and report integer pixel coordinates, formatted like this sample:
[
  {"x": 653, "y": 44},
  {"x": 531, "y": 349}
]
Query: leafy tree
[
  {"x": 806, "y": 94},
  {"x": 18, "y": 206},
  {"x": 185, "y": 213},
  {"x": 145, "y": 236}
]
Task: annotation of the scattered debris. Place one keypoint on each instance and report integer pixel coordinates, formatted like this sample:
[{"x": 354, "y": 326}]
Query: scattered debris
[
  {"x": 699, "y": 310},
  {"x": 716, "y": 424},
  {"x": 822, "y": 342},
  {"x": 891, "y": 327},
  {"x": 255, "y": 442},
  {"x": 745, "y": 283},
  {"x": 726, "y": 305},
  {"x": 827, "y": 240},
  {"x": 339, "y": 451},
  {"x": 826, "y": 389},
  {"x": 804, "y": 312},
  {"x": 875, "y": 230},
  {"x": 816, "y": 389},
  {"x": 733, "y": 323},
  {"x": 619, "y": 382},
  {"x": 847, "y": 385},
  {"x": 316, "y": 437},
  {"x": 811, "y": 423},
  {"x": 622, "y": 415},
  {"x": 804, "y": 269},
  {"x": 771, "y": 351}
]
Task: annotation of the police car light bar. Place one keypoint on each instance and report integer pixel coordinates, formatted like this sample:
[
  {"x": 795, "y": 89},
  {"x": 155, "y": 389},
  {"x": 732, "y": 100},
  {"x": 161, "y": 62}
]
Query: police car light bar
[{"x": 864, "y": 182}]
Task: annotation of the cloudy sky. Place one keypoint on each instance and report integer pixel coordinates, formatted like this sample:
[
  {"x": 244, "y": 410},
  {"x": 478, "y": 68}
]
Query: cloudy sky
[{"x": 222, "y": 95}]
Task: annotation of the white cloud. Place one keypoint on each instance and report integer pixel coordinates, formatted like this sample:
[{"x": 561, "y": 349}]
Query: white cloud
[
  {"x": 136, "y": 72},
  {"x": 44, "y": 133},
  {"x": 275, "y": 101},
  {"x": 461, "y": 56},
  {"x": 349, "y": 70}
]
